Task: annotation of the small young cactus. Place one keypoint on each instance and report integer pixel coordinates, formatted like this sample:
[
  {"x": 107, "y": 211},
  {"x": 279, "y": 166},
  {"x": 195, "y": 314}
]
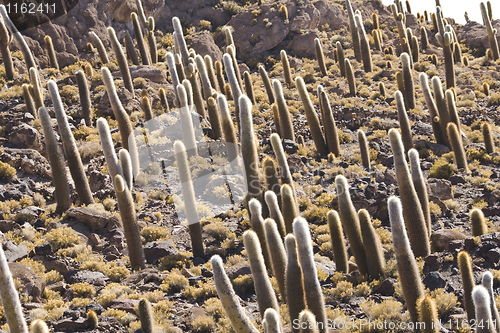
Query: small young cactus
[
  {"x": 146, "y": 107},
  {"x": 350, "y": 77},
  {"x": 364, "y": 149},
  {"x": 338, "y": 244},
  {"x": 286, "y": 68},
  {"x": 489, "y": 144},
  {"x": 140, "y": 39},
  {"x": 478, "y": 222},
  {"x": 39, "y": 326},
  {"x": 371, "y": 242},
  {"x": 465, "y": 266},
  {"x": 424, "y": 40},
  {"x": 457, "y": 146},
  {"x": 294, "y": 281},
  {"x": 285, "y": 119},
  {"x": 428, "y": 315},
  {"x": 92, "y": 319},
  {"x": 232, "y": 307},
  {"x": 307, "y": 322},
  {"x": 103, "y": 55},
  {"x": 483, "y": 310},
  {"x": 272, "y": 321},
  {"x": 341, "y": 59},
  {"x": 51, "y": 52},
  {"x": 163, "y": 99},
  {"x": 146, "y": 316}
]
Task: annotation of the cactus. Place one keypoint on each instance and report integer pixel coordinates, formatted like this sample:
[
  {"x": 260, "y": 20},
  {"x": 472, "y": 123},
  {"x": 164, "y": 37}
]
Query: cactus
[
  {"x": 208, "y": 91},
  {"x": 108, "y": 149},
  {"x": 146, "y": 108},
  {"x": 375, "y": 20},
  {"x": 338, "y": 244},
  {"x": 444, "y": 116},
  {"x": 286, "y": 176},
  {"x": 350, "y": 222},
  {"x": 431, "y": 105},
  {"x": 232, "y": 52},
  {"x": 320, "y": 56},
  {"x": 92, "y": 319},
  {"x": 382, "y": 91},
  {"x": 423, "y": 38},
  {"x": 152, "y": 46},
  {"x": 5, "y": 39},
  {"x": 274, "y": 212},
  {"x": 404, "y": 122},
  {"x": 445, "y": 39},
  {"x": 364, "y": 149},
  {"x": 263, "y": 289},
  {"x": 192, "y": 76},
  {"x": 180, "y": 41},
  {"x": 285, "y": 118},
  {"x": 277, "y": 254},
  {"x": 428, "y": 315},
  {"x": 406, "y": 263},
  {"x": 267, "y": 84},
  {"x": 290, "y": 209},
  {"x": 465, "y": 266},
  {"x": 163, "y": 99},
  {"x": 341, "y": 59},
  {"x": 233, "y": 82},
  {"x": 249, "y": 86},
  {"x": 478, "y": 222},
  {"x": 364, "y": 45},
  {"x": 228, "y": 35},
  {"x": 257, "y": 222},
  {"x": 37, "y": 88},
  {"x": 487, "y": 281},
  {"x": 130, "y": 49},
  {"x": 489, "y": 144},
  {"x": 412, "y": 210},
  {"x": 272, "y": 182},
  {"x": 491, "y": 32},
  {"x": 122, "y": 61},
  {"x": 234, "y": 311},
  {"x": 409, "y": 89},
  {"x": 209, "y": 65},
  {"x": 39, "y": 326},
  {"x": 350, "y": 77},
  {"x": 173, "y": 73},
  {"x": 51, "y": 52},
  {"x": 228, "y": 129},
  {"x": 312, "y": 288},
  {"x": 452, "y": 109},
  {"x": 354, "y": 31},
  {"x": 276, "y": 118},
  {"x": 126, "y": 167},
  {"x": 70, "y": 150},
  {"x": 420, "y": 186},
  {"x": 312, "y": 117},
  {"x": 146, "y": 316},
  {"x": 376, "y": 40},
  {"x": 373, "y": 248},
  {"x": 179, "y": 67},
  {"x": 483, "y": 310},
  {"x": 457, "y": 53},
  {"x": 28, "y": 100},
  {"x": 271, "y": 322},
  {"x": 186, "y": 120},
  {"x": 189, "y": 200},
  {"x": 294, "y": 281},
  {"x": 103, "y": 55},
  {"x": 286, "y": 68},
  {"x": 129, "y": 223},
  {"x": 83, "y": 90},
  {"x": 331, "y": 131},
  {"x": 140, "y": 39},
  {"x": 457, "y": 146},
  {"x": 219, "y": 76},
  {"x": 307, "y": 322},
  {"x": 284, "y": 13},
  {"x": 215, "y": 121}
]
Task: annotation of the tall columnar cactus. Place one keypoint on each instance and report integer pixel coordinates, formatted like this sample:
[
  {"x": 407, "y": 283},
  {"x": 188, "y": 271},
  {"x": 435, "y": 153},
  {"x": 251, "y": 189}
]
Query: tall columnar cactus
[
  {"x": 108, "y": 149},
  {"x": 478, "y": 222},
  {"x": 465, "y": 266},
  {"x": 57, "y": 165},
  {"x": 312, "y": 117},
  {"x": 130, "y": 49},
  {"x": 452, "y": 108},
  {"x": 189, "y": 200},
  {"x": 489, "y": 144},
  {"x": 266, "y": 297},
  {"x": 28, "y": 100},
  {"x": 445, "y": 39},
  {"x": 409, "y": 90},
  {"x": 274, "y": 212},
  {"x": 51, "y": 52},
  {"x": 272, "y": 321},
  {"x": 382, "y": 91},
  {"x": 289, "y": 205},
  {"x": 331, "y": 131},
  {"x": 487, "y": 281},
  {"x": 286, "y": 176},
  {"x": 341, "y": 58},
  {"x": 364, "y": 44},
  {"x": 404, "y": 122},
  {"x": 371, "y": 242},
  {"x": 257, "y": 222},
  {"x": 415, "y": 50},
  {"x": 233, "y": 82},
  {"x": 180, "y": 41},
  {"x": 312, "y": 288},
  {"x": 377, "y": 40},
  {"x": 285, "y": 118},
  {"x": 219, "y": 76},
  {"x": 37, "y": 88},
  {"x": 192, "y": 75},
  {"x": 267, "y": 84},
  {"x": 173, "y": 73},
  {"x": 5, "y": 39},
  {"x": 230, "y": 302},
  {"x": 412, "y": 210},
  {"x": 140, "y": 39},
  {"x": 286, "y": 68},
  {"x": 146, "y": 316},
  {"x": 428, "y": 315},
  {"x": 483, "y": 310},
  {"x": 338, "y": 243},
  {"x": 420, "y": 186},
  {"x": 215, "y": 122},
  {"x": 70, "y": 149},
  {"x": 228, "y": 129},
  {"x": 294, "y": 281},
  {"x": 129, "y": 222},
  {"x": 277, "y": 254},
  {"x": 354, "y": 31},
  {"x": 179, "y": 67},
  {"x": 83, "y": 90},
  {"x": 423, "y": 38},
  {"x": 350, "y": 77},
  {"x": 491, "y": 32},
  {"x": 231, "y": 49},
  {"x": 249, "y": 86},
  {"x": 153, "y": 51},
  {"x": 208, "y": 91},
  {"x": 126, "y": 166},
  {"x": 21, "y": 43},
  {"x": 364, "y": 149},
  {"x": 457, "y": 146},
  {"x": 103, "y": 55},
  {"x": 276, "y": 118},
  {"x": 399, "y": 81},
  {"x": 350, "y": 222},
  {"x": 186, "y": 120},
  {"x": 431, "y": 105},
  {"x": 407, "y": 265},
  {"x": 320, "y": 56}
]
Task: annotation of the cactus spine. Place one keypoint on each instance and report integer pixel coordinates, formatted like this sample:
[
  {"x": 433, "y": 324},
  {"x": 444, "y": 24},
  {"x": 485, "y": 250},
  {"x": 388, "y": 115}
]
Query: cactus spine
[
  {"x": 428, "y": 315},
  {"x": 312, "y": 117},
  {"x": 488, "y": 284},
  {"x": 491, "y": 32},
  {"x": 320, "y": 56},
  {"x": 294, "y": 280},
  {"x": 412, "y": 211},
  {"x": 103, "y": 55},
  {"x": 140, "y": 39},
  {"x": 489, "y": 144},
  {"x": 350, "y": 77},
  {"x": 350, "y": 222},
  {"x": 407, "y": 265},
  {"x": 409, "y": 89},
  {"x": 457, "y": 146},
  {"x": 188, "y": 197},
  {"x": 338, "y": 243},
  {"x": 146, "y": 316},
  {"x": 478, "y": 222},
  {"x": 263, "y": 289},
  {"x": 70, "y": 150},
  {"x": 420, "y": 186},
  {"x": 286, "y": 67},
  {"x": 404, "y": 122},
  {"x": 285, "y": 119},
  {"x": 5, "y": 39},
  {"x": 83, "y": 90},
  {"x": 371, "y": 242},
  {"x": 465, "y": 266},
  {"x": 483, "y": 310},
  {"x": 364, "y": 44},
  {"x": 354, "y": 31},
  {"x": 331, "y": 131},
  {"x": 51, "y": 52},
  {"x": 277, "y": 254}
]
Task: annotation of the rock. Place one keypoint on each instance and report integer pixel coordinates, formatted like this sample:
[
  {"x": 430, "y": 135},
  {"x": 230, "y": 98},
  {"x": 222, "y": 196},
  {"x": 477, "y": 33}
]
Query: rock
[
  {"x": 33, "y": 285},
  {"x": 441, "y": 238},
  {"x": 121, "y": 10},
  {"x": 433, "y": 281},
  {"x": 329, "y": 268},
  {"x": 14, "y": 252},
  {"x": 29, "y": 214},
  {"x": 70, "y": 324},
  {"x": 28, "y": 160},
  {"x": 301, "y": 44},
  {"x": 58, "y": 286},
  {"x": 439, "y": 149},
  {"x": 124, "y": 304},
  {"x": 440, "y": 188},
  {"x": 25, "y": 136},
  {"x": 203, "y": 43},
  {"x": 306, "y": 18},
  {"x": 144, "y": 277},
  {"x": 238, "y": 269},
  {"x": 7, "y": 225},
  {"x": 94, "y": 278},
  {"x": 491, "y": 211},
  {"x": 93, "y": 219},
  {"x": 456, "y": 179},
  {"x": 475, "y": 36},
  {"x": 331, "y": 14},
  {"x": 493, "y": 255},
  {"x": 155, "y": 250},
  {"x": 290, "y": 146},
  {"x": 386, "y": 288},
  {"x": 44, "y": 249},
  {"x": 151, "y": 73},
  {"x": 125, "y": 96}
]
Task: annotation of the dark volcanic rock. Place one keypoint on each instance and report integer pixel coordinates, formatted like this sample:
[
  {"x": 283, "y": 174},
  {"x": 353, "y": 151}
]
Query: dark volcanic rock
[{"x": 159, "y": 249}]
